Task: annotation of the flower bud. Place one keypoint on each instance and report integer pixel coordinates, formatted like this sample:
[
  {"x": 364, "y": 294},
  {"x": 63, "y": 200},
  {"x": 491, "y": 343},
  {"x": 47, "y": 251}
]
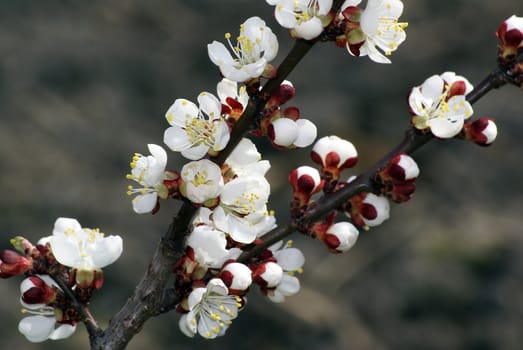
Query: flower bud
[
  {"x": 510, "y": 33},
  {"x": 305, "y": 181},
  {"x": 35, "y": 290},
  {"x": 283, "y": 132},
  {"x": 237, "y": 277},
  {"x": 340, "y": 237},
  {"x": 401, "y": 168},
  {"x": 12, "y": 264},
  {"x": 482, "y": 131},
  {"x": 367, "y": 209},
  {"x": 284, "y": 93},
  {"x": 89, "y": 278},
  {"x": 334, "y": 152},
  {"x": 401, "y": 192},
  {"x": 268, "y": 274}
]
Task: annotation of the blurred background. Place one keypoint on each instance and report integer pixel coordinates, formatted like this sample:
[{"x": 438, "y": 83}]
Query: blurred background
[{"x": 85, "y": 84}]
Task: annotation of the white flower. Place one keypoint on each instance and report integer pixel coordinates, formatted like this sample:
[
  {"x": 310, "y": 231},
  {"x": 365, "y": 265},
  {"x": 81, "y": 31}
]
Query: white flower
[
  {"x": 83, "y": 248},
  {"x": 381, "y": 29},
  {"x": 191, "y": 133},
  {"x": 440, "y": 104},
  {"x": 242, "y": 211},
  {"x": 202, "y": 180},
  {"x": 149, "y": 172},
  {"x": 246, "y": 160},
  {"x": 211, "y": 310},
  {"x": 42, "y": 325},
  {"x": 291, "y": 261},
  {"x": 306, "y": 17},
  {"x": 256, "y": 46}
]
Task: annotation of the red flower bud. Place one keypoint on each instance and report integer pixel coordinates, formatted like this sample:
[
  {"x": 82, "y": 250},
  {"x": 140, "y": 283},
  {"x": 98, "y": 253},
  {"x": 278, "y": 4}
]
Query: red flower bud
[{"x": 12, "y": 264}]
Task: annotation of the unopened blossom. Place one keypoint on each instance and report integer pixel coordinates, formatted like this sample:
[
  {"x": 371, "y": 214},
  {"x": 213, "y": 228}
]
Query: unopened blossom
[
  {"x": 369, "y": 210},
  {"x": 242, "y": 210},
  {"x": 401, "y": 168},
  {"x": 201, "y": 181},
  {"x": 340, "y": 237},
  {"x": 196, "y": 130},
  {"x": 305, "y": 181},
  {"x": 234, "y": 100},
  {"x": 333, "y": 154},
  {"x": 306, "y": 18},
  {"x": 440, "y": 104},
  {"x": 83, "y": 248},
  {"x": 38, "y": 289},
  {"x": 482, "y": 131},
  {"x": 291, "y": 260},
  {"x": 510, "y": 33},
  {"x": 12, "y": 264},
  {"x": 379, "y": 33},
  {"x": 43, "y": 323},
  {"x": 256, "y": 46},
  {"x": 237, "y": 277},
  {"x": 211, "y": 310},
  {"x": 149, "y": 172},
  {"x": 268, "y": 275}
]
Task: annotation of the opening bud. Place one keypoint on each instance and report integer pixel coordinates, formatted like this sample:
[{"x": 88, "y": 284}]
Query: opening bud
[
  {"x": 268, "y": 275},
  {"x": 305, "y": 181},
  {"x": 237, "y": 277},
  {"x": 35, "y": 290},
  {"x": 482, "y": 131},
  {"x": 401, "y": 168},
  {"x": 341, "y": 237},
  {"x": 368, "y": 209}
]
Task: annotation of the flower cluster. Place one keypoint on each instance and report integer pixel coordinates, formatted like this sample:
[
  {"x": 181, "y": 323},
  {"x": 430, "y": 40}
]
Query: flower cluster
[{"x": 73, "y": 256}]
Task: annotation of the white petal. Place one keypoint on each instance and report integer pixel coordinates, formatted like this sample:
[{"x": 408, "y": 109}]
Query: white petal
[
  {"x": 219, "y": 54},
  {"x": 105, "y": 251},
  {"x": 36, "y": 328},
  {"x": 66, "y": 251},
  {"x": 158, "y": 153},
  {"x": 186, "y": 326},
  {"x": 176, "y": 139},
  {"x": 144, "y": 203},
  {"x": 432, "y": 88},
  {"x": 195, "y": 152},
  {"x": 309, "y": 29},
  {"x": 210, "y": 105},
  {"x": 444, "y": 128},
  {"x": 290, "y": 259},
  {"x": 285, "y": 131},
  {"x": 307, "y": 133},
  {"x": 66, "y": 224},
  {"x": 62, "y": 332},
  {"x": 181, "y": 112},
  {"x": 227, "y": 88}
]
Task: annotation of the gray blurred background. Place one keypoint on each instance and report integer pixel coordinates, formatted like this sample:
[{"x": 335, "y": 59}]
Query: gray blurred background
[{"x": 85, "y": 84}]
